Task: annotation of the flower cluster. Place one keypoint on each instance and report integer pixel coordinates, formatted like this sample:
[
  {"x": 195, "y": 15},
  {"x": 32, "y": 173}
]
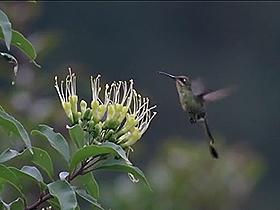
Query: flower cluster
[{"x": 121, "y": 117}]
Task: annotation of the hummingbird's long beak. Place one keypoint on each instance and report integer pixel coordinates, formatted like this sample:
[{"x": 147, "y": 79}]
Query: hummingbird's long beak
[{"x": 164, "y": 73}]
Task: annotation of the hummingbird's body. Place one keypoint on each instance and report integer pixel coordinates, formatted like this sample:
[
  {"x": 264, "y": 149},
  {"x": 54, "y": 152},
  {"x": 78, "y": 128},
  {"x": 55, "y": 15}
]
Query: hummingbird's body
[
  {"x": 191, "y": 103},
  {"x": 192, "y": 96}
]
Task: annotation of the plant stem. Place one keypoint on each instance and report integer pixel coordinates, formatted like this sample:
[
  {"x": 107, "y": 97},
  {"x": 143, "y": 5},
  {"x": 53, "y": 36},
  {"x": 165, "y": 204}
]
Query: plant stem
[
  {"x": 84, "y": 166},
  {"x": 38, "y": 202},
  {"x": 48, "y": 195}
]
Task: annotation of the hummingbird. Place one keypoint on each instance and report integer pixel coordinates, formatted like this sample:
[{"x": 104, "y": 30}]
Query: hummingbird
[{"x": 193, "y": 97}]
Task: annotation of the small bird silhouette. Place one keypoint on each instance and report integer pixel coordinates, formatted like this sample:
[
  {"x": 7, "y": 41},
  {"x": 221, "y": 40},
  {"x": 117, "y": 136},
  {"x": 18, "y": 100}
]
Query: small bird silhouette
[{"x": 193, "y": 97}]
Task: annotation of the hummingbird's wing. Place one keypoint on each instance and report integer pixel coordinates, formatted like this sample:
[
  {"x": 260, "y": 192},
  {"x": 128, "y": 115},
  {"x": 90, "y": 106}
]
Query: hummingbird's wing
[
  {"x": 197, "y": 86},
  {"x": 218, "y": 94}
]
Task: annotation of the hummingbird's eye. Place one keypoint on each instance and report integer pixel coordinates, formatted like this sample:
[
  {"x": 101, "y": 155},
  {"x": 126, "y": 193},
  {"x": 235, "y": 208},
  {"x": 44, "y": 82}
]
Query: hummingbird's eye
[{"x": 183, "y": 80}]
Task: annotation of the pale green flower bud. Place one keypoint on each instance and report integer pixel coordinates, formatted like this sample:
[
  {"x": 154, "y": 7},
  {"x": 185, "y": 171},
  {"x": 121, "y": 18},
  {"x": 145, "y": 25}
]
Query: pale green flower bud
[
  {"x": 122, "y": 114},
  {"x": 109, "y": 123},
  {"x": 135, "y": 136},
  {"x": 118, "y": 109},
  {"x": 87, "y": 114},
  {"x": 115, "y": 115},
  {"x": 109, "y": 135},
  {"x": 91, "y": 125},
  {"x": 124, "y": 138},
  {"x": 122, "y": 104},
  {"x": 76, "y": 117},
  {"x": 110, "y": 112},
  {"x": 67, "y": 108},
  {"x": 74, "y": 103},
  {"x": 95, "y": 106},
  {"x": 97, "y": 129},
  {"x": 83, "y": 106},
  {"x": 102, "y": 110},
  {"x": 129, "y": 124}
]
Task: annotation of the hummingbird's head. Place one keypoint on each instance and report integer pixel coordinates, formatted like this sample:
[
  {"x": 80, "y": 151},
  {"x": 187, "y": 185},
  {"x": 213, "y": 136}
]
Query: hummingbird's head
[{"x": 182, "y": 82}]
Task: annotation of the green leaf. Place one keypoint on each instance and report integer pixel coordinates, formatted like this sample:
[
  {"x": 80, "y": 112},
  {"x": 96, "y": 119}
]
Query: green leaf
[
  {"x": 65, "y": 194},
  {"x": 10, "y": 177},
  {"x": 120, "y": 165},
  {"x": 31, "y": 173},
  {"x": 40, "y": 158},
  {"x": 55, "y": 203},
  {"x": 63, "y": 175},
  {"x": 90, "y": 183},
  {"x": 10, "y": 124},
  {"x": 8, "y": 154},
  {"x": 6, "y": 29},
  {"x": 56, "y": 140},
  {"x": 94, "y": 150},
  {"x": 83, "y": 194},
  {"x": 2, "y": 182},
  {"x": 23, "y": 44},
  {"x": 118, "y": 149},
  {"x": 17, "y": 204},
  {"x": 3, "y": 205},
  {"x": 77, "y": 135},
  {"x": 13, "y": 60},
  {"x": 32, "y": 1}
]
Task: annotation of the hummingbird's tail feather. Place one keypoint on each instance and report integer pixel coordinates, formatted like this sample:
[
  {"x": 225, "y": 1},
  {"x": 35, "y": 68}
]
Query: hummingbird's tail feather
[{"x": 212, "y": 149}]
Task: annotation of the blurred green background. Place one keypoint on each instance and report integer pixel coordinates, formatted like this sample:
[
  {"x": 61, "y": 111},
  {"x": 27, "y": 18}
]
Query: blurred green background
[{"x": 223, "y": 42}]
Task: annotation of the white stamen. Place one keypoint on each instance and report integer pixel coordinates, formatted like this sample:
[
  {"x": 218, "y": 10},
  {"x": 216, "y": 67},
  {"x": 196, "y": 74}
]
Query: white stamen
[
  {"x": 62, "y": 92},
  {"x": 120, "y": 93},
  {"x": 70, "y": 87},
  {"x": 124, "y": 92},
  {"x": 60, "y": 95},
  {"x": 95, "y": 88}
]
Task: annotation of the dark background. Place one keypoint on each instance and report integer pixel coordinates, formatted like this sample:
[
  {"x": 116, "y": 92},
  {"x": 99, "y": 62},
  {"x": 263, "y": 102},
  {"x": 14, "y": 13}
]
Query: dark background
[{"x": 223, "y": 42}]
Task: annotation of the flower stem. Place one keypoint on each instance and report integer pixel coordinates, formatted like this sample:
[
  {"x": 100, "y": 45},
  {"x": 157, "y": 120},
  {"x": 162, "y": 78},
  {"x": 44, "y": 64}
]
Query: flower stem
[
  {"x": 39, "y": 201},
  {"x": 48, "y": 196}
]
